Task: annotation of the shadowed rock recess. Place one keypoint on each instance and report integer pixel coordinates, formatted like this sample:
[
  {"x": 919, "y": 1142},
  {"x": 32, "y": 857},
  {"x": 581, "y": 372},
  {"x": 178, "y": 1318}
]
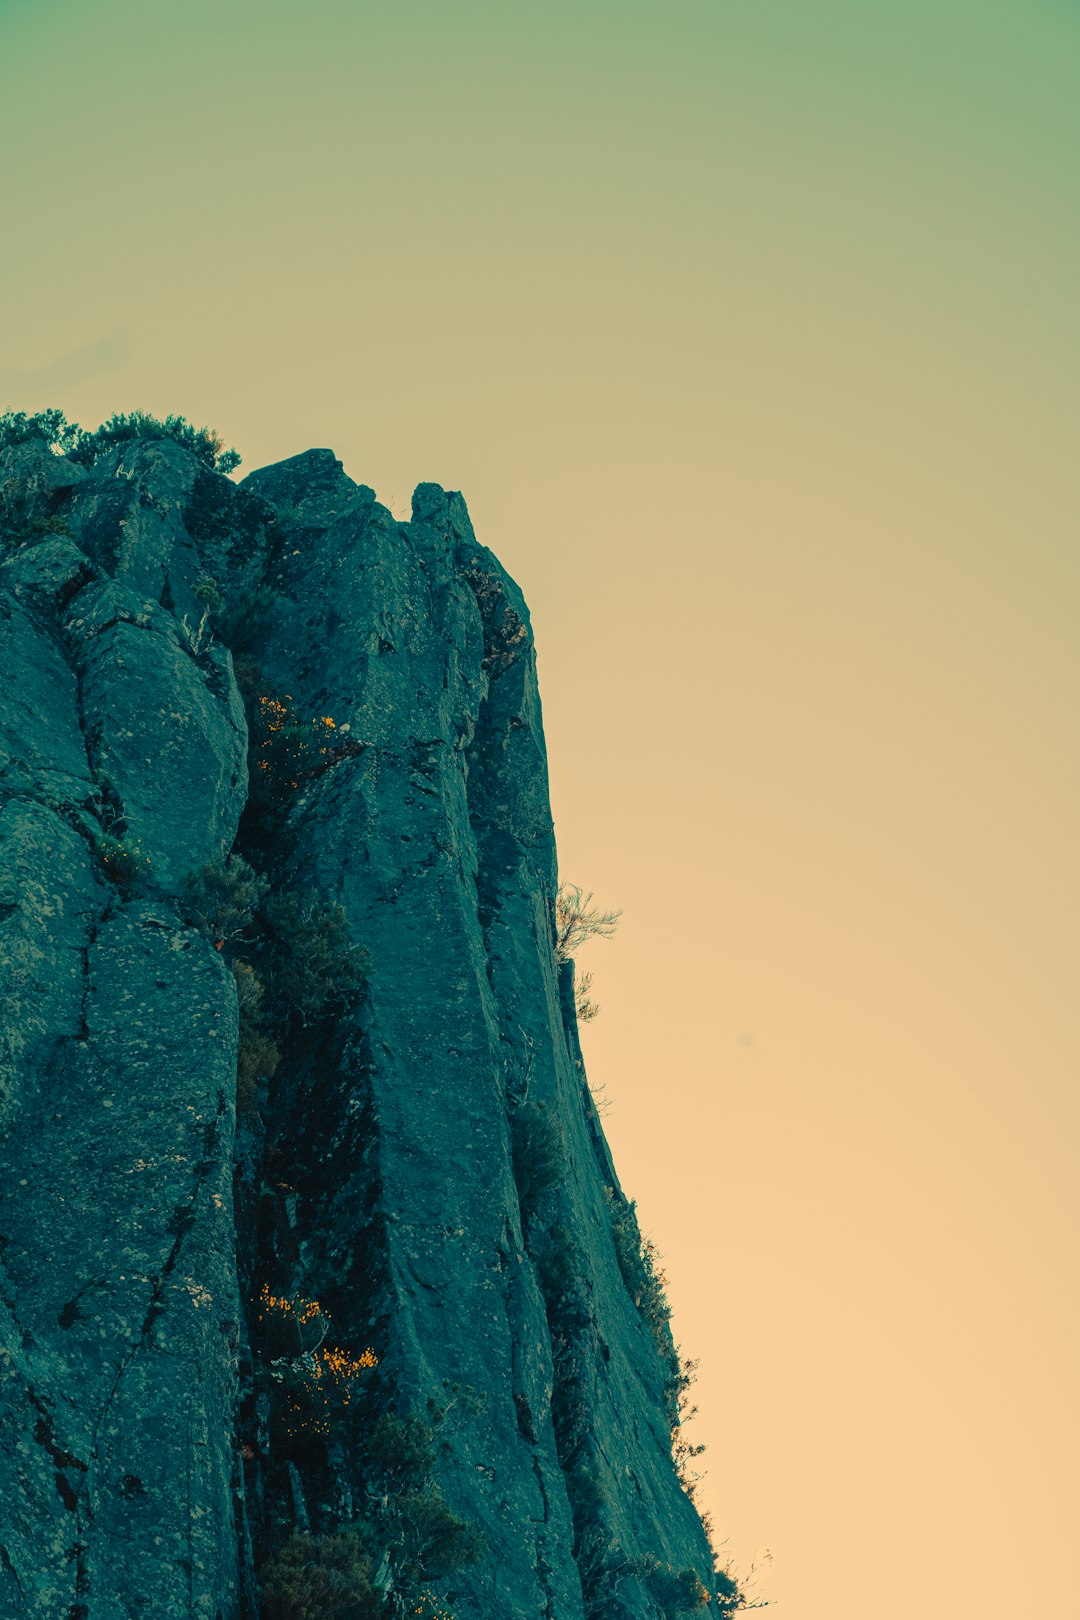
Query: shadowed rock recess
[{"x": 371, "y": 1293}]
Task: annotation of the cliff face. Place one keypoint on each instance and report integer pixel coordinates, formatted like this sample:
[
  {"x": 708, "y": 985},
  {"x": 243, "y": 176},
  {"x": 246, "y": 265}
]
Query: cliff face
[{"x": 416, "y": 1169}]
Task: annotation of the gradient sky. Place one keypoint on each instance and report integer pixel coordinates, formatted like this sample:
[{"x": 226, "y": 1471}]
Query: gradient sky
[{"x": 748, "y": 328}]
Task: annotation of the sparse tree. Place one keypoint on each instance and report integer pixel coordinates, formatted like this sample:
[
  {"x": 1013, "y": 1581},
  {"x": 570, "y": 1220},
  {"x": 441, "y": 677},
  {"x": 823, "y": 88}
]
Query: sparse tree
[
  {"x": 584, "y": 1005},
  {"x": 576, "y": 921}
]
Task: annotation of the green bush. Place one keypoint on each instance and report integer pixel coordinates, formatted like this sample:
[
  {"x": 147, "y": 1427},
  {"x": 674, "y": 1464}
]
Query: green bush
[
  {"x": 315, "y": 968},
  {"x": 122, "y": 860},
  {"x": 248, "y": 677},
  {"x": 204, "y": 443},
  {"x": 286, "y": 749},
  {"x": 414, "y": 1538},
  {"x": 602, "y": 1566},
  {"x": 258, "y": 1054},
  {"x": 86, "y": 447},
  {"x": 538, "y": 1155},
  {"x": 407, "y": 1536},
  {"x": 639, "y": 1264},
  {"x": 675, "y": 1591},
  {"x": 321, "y": 1578},
  {"x": 27, "y": 511},
  {"x": 241, "y": 613},
  {"x": 16, "y": 427},
  {"x": 309, "y": 966},
  {"x": 398, "y": 1451},
  {"x": 41, "y": 528},
  {"x": 567, "y": 1303},
  {"x": 560, "y": 1269},
  {"x": 207, "y": 591},
  {"x": 680, "y": 1376},
  {"x": 257, "y": 1059},
  {"x": 428, "y": 1541},
  {"x": 221, "y": 898},
  {"x": 646, "y": 1284}
]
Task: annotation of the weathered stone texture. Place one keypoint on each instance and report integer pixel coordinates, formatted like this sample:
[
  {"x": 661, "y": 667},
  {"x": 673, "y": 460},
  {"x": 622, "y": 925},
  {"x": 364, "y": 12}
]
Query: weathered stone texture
[
  {"x": 438, "y": 840},
  {"x": 381, "y": 1178},
  {"x": 118, "y": 1031},
  {"x": 167, "y": 727}
]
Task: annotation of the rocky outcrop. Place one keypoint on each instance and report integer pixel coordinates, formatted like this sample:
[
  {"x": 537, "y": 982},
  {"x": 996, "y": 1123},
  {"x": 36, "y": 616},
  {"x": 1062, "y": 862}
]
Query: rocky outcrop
[{"x": 423, "y": 1160}]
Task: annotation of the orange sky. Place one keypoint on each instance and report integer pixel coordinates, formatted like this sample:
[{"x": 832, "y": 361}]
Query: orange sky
[{"x": 749, "y": 333}]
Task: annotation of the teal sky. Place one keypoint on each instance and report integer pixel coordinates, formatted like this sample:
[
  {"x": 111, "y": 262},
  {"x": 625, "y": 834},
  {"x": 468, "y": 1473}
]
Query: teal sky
[{"x": 748, "y": 328}]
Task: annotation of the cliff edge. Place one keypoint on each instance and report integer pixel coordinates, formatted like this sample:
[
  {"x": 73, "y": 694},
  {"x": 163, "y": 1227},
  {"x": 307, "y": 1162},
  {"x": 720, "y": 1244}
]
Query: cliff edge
[{"x": 314, "y": 1265}]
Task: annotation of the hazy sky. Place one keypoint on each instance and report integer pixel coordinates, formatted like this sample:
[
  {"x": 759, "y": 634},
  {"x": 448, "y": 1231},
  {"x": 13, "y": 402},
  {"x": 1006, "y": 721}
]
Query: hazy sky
[{"x": 748, "y": 328}]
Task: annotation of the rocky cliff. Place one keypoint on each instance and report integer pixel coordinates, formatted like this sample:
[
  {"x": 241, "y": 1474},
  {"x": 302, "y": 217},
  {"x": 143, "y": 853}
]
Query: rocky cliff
[{"x": 318, "y": 1292}]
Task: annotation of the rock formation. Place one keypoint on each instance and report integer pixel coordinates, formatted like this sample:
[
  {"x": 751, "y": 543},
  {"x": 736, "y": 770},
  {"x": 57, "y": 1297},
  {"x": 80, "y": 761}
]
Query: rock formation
[{"x": 383, "y": 1290}]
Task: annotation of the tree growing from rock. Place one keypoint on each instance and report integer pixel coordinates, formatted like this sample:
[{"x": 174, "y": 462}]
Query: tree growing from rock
[{"x": 577, "y": 920}]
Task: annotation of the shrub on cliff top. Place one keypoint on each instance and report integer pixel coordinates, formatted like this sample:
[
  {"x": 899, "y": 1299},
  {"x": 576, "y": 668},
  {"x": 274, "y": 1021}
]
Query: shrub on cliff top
[
  {"x": 207, "y": 446},
  {"x": 86, "y": 447},
  {"x": 576, "y": 921},
  {"x": 16, "y": 427}
]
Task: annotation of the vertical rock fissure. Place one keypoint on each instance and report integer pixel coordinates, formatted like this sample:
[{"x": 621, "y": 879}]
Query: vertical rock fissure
[{"x": 311, "y": 1130}]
